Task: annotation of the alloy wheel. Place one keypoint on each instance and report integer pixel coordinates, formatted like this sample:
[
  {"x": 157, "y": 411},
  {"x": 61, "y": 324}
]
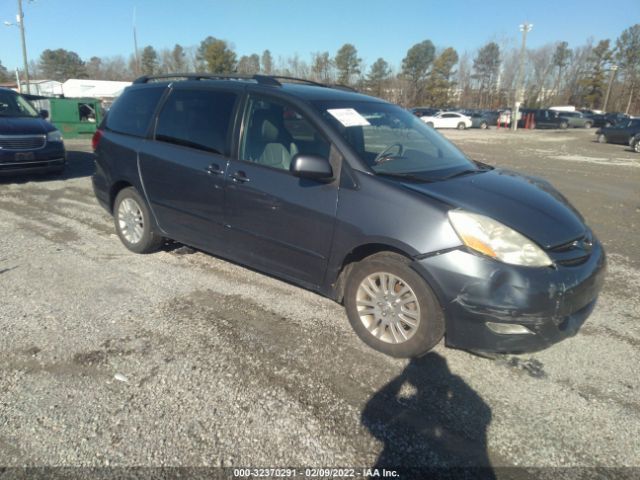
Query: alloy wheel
[
  {"x": 130, "y": 220},
  {"x": 388, "y": 307}
]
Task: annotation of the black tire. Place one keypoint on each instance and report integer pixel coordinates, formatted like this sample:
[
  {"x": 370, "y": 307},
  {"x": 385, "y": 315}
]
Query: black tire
[
  {"x": 430, "y": 124},
  {"x": 607, "y": 124},
  {"x": 588, "y": 125},
  {"x": 564, "y": 125},
  {"x": 461, "y": 126},
  {"x": 602, "y": 138},
  {"x": 150, "y": 240},
  {"x": 635, "y": 146},
  {"x": 430, "y": 326},
  {"x": 484, "y": 125}
]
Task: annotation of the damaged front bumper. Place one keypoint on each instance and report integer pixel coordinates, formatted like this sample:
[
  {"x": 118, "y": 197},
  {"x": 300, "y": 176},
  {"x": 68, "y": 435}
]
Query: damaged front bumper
[{"x": 482, "y": 297}]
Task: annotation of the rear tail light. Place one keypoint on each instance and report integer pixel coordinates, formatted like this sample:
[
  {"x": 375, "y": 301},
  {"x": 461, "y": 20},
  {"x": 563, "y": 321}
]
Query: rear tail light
[{"x": 95, "y": 140}]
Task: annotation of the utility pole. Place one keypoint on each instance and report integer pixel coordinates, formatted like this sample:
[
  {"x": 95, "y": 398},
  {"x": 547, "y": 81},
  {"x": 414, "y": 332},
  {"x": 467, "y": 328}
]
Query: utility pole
[
  {"x": 519, "y": 90},
  {"x": 135, "y": 43},
  {"x": 614, "y": 68},
  {"x": 20, "y": 20}
]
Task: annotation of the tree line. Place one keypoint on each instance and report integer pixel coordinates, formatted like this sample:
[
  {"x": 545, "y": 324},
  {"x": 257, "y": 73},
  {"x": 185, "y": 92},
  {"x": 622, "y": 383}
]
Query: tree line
[{"x": 554, "y": 74}]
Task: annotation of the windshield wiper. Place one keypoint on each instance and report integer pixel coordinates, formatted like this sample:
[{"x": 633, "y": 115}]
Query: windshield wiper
[
  {"x": 466, "y": 171},
  {"x": 406, "y": 176}
]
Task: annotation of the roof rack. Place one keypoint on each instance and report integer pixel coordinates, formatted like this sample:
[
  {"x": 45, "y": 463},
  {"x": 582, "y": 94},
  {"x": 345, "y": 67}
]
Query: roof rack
[
  {"x": 262, "y": 79},
  {"x": 272, "y": 80}
]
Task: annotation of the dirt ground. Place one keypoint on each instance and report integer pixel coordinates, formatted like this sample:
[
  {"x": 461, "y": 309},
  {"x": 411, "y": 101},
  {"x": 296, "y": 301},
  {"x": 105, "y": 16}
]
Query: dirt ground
[{"x": 182, "y": 359}]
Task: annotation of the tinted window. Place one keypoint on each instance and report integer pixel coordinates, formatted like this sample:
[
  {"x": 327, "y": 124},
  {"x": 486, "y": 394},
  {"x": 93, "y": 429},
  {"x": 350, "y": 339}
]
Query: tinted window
[
  {"x": 132, "y": 112},
  {"x": 450, "y": 115},
  {"x": 274, "y": 133},
  {"x": 197, "y": 118}
]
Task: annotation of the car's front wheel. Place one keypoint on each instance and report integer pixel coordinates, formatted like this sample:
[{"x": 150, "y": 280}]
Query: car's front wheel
[
  {"x": 133, "y": 222},
  {"x": 588, "y": 125},
  {"x": 484, "y": 125},
  {"x": 392, "y": 308},
  {"x": 602, "y": 138},
  {"x": 635, "y": 144},
  {"x": 461, "y": 126}
]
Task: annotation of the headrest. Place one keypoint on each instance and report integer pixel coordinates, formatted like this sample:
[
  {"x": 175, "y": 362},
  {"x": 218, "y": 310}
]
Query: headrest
[{"x": 268, "y": 131}]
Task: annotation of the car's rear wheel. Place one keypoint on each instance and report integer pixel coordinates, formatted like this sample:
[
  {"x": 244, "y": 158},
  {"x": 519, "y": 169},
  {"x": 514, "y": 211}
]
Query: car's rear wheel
[
  {"x": 484, "y": 125},
  {"x": 133, "y": 222},
  {"x": 588, "y": 125},
  {"x": 564, "y": 125},
  {"x": 602, "y": 138},
  {"x": 636, "y": 145},
  {"x": 461, "y": 126},
  {"x": 392, "y": 308}
]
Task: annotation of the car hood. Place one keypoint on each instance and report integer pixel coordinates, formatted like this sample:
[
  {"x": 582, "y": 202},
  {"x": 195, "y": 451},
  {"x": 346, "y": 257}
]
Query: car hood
[
  {"x": 24, "y": 126},
  {"x": 529, "y": 205}
]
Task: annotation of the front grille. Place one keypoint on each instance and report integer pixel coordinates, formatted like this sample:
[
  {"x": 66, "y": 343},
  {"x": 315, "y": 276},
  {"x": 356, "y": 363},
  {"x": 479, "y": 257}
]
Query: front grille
[
  {"x": 575, "y": 252},
  {"x": 22, "y": 142}
]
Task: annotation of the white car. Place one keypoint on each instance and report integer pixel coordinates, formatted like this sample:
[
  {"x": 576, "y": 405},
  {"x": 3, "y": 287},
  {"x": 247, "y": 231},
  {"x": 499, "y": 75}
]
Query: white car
[{"x": 448, "y": 120}]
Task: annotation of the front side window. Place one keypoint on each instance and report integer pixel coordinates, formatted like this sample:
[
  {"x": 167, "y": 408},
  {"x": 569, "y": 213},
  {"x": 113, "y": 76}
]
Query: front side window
[
  {"x": 391, "y": 141},
  {"x": 14, "y": 105},
  {"x": 197, "y": 118},
  {"x": 275, "y": 132}
]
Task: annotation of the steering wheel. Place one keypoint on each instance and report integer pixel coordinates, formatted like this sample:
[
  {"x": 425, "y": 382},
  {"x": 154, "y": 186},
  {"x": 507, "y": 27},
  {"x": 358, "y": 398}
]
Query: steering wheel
[{"x": 385, "y": 154}]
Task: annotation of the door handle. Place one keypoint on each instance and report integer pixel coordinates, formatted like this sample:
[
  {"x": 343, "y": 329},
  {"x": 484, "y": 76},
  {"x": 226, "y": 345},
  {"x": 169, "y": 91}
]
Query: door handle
[
  {"x": 214, "y": 169},
  {"x": 240, "y": 177}
]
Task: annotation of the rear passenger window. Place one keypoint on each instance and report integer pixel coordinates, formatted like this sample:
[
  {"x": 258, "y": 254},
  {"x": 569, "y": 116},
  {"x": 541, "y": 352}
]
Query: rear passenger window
[
  {"x": 197, "y": 119},
  {"x": 133, "y": 110}
]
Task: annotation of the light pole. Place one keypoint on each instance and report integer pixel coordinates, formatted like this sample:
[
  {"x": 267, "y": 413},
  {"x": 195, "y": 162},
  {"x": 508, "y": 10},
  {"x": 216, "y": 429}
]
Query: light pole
[
  {"x": 614, "y": 68},
  {"x": 519, "y": 90},
  {"x": 20, "y": 24}
]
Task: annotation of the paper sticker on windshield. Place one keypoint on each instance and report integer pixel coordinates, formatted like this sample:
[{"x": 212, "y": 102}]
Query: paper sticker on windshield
[{"x": 348, "y": 117}]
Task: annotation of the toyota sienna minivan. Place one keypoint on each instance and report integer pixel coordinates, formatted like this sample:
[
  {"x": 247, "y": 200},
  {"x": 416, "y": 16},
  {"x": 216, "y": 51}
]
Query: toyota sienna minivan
[
  {"x": 354, "y": 198},
  {"x": 28, "y": 142}
]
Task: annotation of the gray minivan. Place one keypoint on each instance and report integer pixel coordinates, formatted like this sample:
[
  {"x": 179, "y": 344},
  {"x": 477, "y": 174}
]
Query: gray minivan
[{"x": 354, "y": 198}]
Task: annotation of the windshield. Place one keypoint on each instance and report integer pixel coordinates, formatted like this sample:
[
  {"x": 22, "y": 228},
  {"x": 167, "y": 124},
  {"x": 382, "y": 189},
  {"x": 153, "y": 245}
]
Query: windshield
[
  {"x": 13, "y": 105},
  {"x": 392, "y": 141}
]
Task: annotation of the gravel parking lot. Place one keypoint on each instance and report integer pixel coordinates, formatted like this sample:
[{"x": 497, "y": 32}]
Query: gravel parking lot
[{"x": 180, "y": 358}]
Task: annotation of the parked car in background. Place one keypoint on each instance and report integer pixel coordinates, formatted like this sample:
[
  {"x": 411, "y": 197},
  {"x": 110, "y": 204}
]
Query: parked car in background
[
  {"x": 609, "y": 119},
  {"x": 425, "y": 111},
  {"x": 576, "y": 119},
  {"x": 393, "y": 221},
  {"x": 28, "y": 142},
  {"x": 448, "y": 120},
  {"x": 546, "y": 118},
  {"x": 620, "y": 133},
  {"x": 524, "y": 114},
  {"x": 483, "y": 119}
]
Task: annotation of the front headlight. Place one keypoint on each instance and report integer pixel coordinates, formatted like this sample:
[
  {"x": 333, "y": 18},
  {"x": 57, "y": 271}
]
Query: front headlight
[
  {"x": 491, "y": 238},
  {"x": 54, "y": 136}
]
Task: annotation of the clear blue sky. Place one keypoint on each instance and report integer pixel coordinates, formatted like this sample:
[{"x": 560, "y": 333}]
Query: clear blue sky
[{"x": 378, "y": 28}]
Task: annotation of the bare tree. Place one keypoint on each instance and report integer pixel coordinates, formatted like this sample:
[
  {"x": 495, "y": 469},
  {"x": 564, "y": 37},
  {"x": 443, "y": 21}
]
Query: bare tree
[{"x": 541, "y": 61}]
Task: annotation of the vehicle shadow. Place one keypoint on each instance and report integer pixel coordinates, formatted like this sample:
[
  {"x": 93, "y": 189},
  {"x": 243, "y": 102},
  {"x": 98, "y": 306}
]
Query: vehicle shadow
[
  {"x": 431, "y": 422},
  {"x": 79, "y": 164}
]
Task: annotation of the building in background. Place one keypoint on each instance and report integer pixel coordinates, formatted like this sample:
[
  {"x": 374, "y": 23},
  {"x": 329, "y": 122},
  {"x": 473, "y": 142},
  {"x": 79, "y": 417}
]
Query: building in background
[
  {"x": 43, "y": 88},
  {"x": 102, "y": 89}
]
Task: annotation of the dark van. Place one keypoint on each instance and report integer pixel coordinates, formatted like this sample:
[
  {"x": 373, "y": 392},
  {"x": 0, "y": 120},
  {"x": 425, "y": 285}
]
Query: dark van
[
  {"x": 28, "y": 143},
  {"x": 354, "y": 198}
]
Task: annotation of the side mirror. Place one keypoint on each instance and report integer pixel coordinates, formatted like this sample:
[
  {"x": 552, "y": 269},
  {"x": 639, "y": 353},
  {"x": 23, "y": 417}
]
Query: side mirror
[
  {"x": 311, "y": 166},
  {"x": 44, "y": 114}
]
